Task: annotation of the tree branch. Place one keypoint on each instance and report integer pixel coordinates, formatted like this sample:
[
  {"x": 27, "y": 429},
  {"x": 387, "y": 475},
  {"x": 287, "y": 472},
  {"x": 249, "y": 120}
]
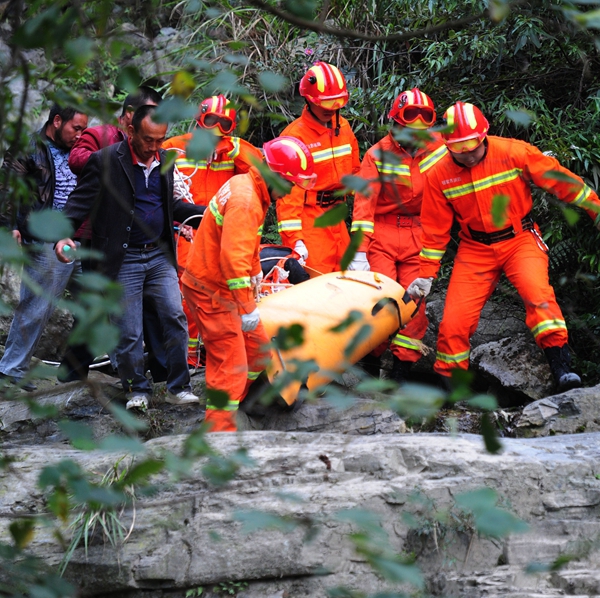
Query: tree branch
[{"x": 319, "y": 27}]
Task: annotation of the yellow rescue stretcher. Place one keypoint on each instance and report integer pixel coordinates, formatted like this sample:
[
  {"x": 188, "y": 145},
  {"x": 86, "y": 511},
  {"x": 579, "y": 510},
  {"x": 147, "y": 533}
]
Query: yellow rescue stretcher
[{"x": 333, "y": 310}]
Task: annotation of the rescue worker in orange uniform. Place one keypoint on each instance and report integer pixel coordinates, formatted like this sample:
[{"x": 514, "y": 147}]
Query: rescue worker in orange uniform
[
  {"x": 335, "y": 152},
  {"x": 479, "y": 171},
  {"x": 223, "y": 271},
  {"x": 389, "y": 212},
  {"x": 231, "y": 156}
]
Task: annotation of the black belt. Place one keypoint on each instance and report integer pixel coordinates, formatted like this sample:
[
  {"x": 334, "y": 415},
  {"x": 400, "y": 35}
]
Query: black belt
[
  {"x": 328, "y": 198},
  {"x": 502, "y": 235},
  {"x": 144, "y": 246}
]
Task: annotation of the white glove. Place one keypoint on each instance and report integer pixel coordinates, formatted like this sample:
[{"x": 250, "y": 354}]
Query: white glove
[
  {"x": 250, "y": 321},
  {"x": 360, "y": 263},
  {"x": 300, "y": 249},
  {"x": 256, "y": 280},
  {"x": 420, "y": 287}
]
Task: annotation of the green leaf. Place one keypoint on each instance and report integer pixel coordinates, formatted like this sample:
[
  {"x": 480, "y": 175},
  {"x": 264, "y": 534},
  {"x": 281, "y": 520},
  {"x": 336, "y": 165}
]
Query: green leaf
[
  {"x": 477, "y": 501},
  {"x": 173, "y": 110},
  {"x": 336, "y": 215},
  {"x": 289, "y": 337},
  {"x": 182, "y": 84},
  {"x": 365, "y": 520},
  {"x": 129, "y": 79},
  {"x": 487, "y": 402},
  {"x": 201, "y": 145},
  {"x": 497, "y": 523},
  {"x": 169, "y": 160},
  {"x": 490, "y": 435},
  {"x": 355, "y": 183},
  {"x": 217, "y": 398},
  {"x": 500, "y": 205},
  {"x": 226, "y": 82},
  {"x": 272, "y": 82},
  {"x": 397, "y": 572},
  {"x": 520, "y": 117},
  {"x": 589, "y": 20},
  {"x": 351, "y": 250},
  {"x": 305, "y": 9},
  {"x": 353, "y": 317},
  {"x": 498, "y": 9},
  {"x": 80, "y": 51},
  {"x": 571, "y": 216},
  {"x": 140, "y": 472},
  {"x": 129, "y": 421},
  {"x": 562, "y": 177},
  {"x": 80, "y": 435},
  {"x": 363, "y": 333},
  {"x": 22, "y": 532},
  {"x": 121, "y": 444},
  {"x": 417, "y": 401},
  {"x": 272, "y": 179},
  {"x": 49, "y": 225}
]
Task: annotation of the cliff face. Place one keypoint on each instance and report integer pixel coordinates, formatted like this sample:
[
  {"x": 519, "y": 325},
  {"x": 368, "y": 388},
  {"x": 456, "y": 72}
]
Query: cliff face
[{"x": 191, "y": 535}]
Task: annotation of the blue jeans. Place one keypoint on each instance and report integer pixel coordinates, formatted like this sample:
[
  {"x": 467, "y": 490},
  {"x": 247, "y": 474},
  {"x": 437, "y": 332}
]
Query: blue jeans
[
  {"x": 147, "y": 276},
  {"x": 34, "y": 309}
]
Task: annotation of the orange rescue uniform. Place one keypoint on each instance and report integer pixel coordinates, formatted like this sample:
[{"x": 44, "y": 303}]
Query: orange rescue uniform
[
  {"x": 231, "y": 156},
  {"x": 335, "y": 156},
  {"x": 514, "y": 247},
  {"x": 217, "y": 288},
  {"x": 389, "y": 216}
]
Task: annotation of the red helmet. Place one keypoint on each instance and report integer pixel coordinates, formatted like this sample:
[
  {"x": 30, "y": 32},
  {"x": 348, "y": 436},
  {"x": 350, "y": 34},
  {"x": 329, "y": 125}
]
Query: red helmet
[
  {"x": 217, "y": 111},
  {"x": 469, "y": 127},
  {"x": 413, "y": 109},
  {"x": 324, "y": 85},
  {"x": 290, "y": 158}
]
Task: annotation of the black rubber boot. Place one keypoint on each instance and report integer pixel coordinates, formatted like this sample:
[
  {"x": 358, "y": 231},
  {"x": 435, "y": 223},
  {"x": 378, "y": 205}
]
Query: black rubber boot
[
  {"x": 559, "y": 359},
  {"x": 400, "y": 370}
]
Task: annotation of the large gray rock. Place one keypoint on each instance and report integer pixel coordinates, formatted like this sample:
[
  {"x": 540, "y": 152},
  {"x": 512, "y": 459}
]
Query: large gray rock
[
  {"x": 188, "y": 535},
  {"x": 516, "y": 368},
  {"x": 571, "y": 412}
]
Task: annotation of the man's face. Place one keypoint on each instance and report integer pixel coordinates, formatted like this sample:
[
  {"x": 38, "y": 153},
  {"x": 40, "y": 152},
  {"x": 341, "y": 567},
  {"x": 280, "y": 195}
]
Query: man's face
[
  {"x": 148, "y": 139},
  {"x": 470, "y": 159},
  {"x": 322, "y": 114},
  {"x": 66, "y": 133}
]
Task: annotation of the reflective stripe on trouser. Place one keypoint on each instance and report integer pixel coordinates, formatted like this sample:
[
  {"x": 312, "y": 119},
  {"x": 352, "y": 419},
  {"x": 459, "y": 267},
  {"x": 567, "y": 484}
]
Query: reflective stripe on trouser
[
  {"x": 394, "y": 251},
  {"x": 326, "y": 246},
  {"x": 183, "y": 250},
  {"x": 230, "y": 354},
  {"x": 477, "y": 269}
]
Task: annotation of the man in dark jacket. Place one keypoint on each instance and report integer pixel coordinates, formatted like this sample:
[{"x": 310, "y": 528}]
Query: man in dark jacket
[
  {"x": 77, "y": 358},
  {"x": 45, "y": 167},
  {"x": 132, "y": 205}
]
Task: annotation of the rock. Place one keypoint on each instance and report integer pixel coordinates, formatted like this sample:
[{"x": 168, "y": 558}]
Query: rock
[
  {"x": 516, "y": 369},
  {"x": 571, "y": 412},
  {"x": 189, "y": 534},
  {"x": 360, "y": 416}
]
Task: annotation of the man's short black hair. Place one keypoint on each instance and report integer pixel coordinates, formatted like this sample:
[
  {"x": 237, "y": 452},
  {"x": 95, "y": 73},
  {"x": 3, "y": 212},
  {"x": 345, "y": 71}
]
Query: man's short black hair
[
  {"x": 140, "y": 114},
  {"x": 66, "y": 114},
  {"x": 142, "y": 96}
]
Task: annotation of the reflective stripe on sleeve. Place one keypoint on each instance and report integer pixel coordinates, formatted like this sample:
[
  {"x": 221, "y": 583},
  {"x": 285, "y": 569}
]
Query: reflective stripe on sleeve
[
  {"x": 364, "y": 225},
  {"x": 239, "y": 283}
]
